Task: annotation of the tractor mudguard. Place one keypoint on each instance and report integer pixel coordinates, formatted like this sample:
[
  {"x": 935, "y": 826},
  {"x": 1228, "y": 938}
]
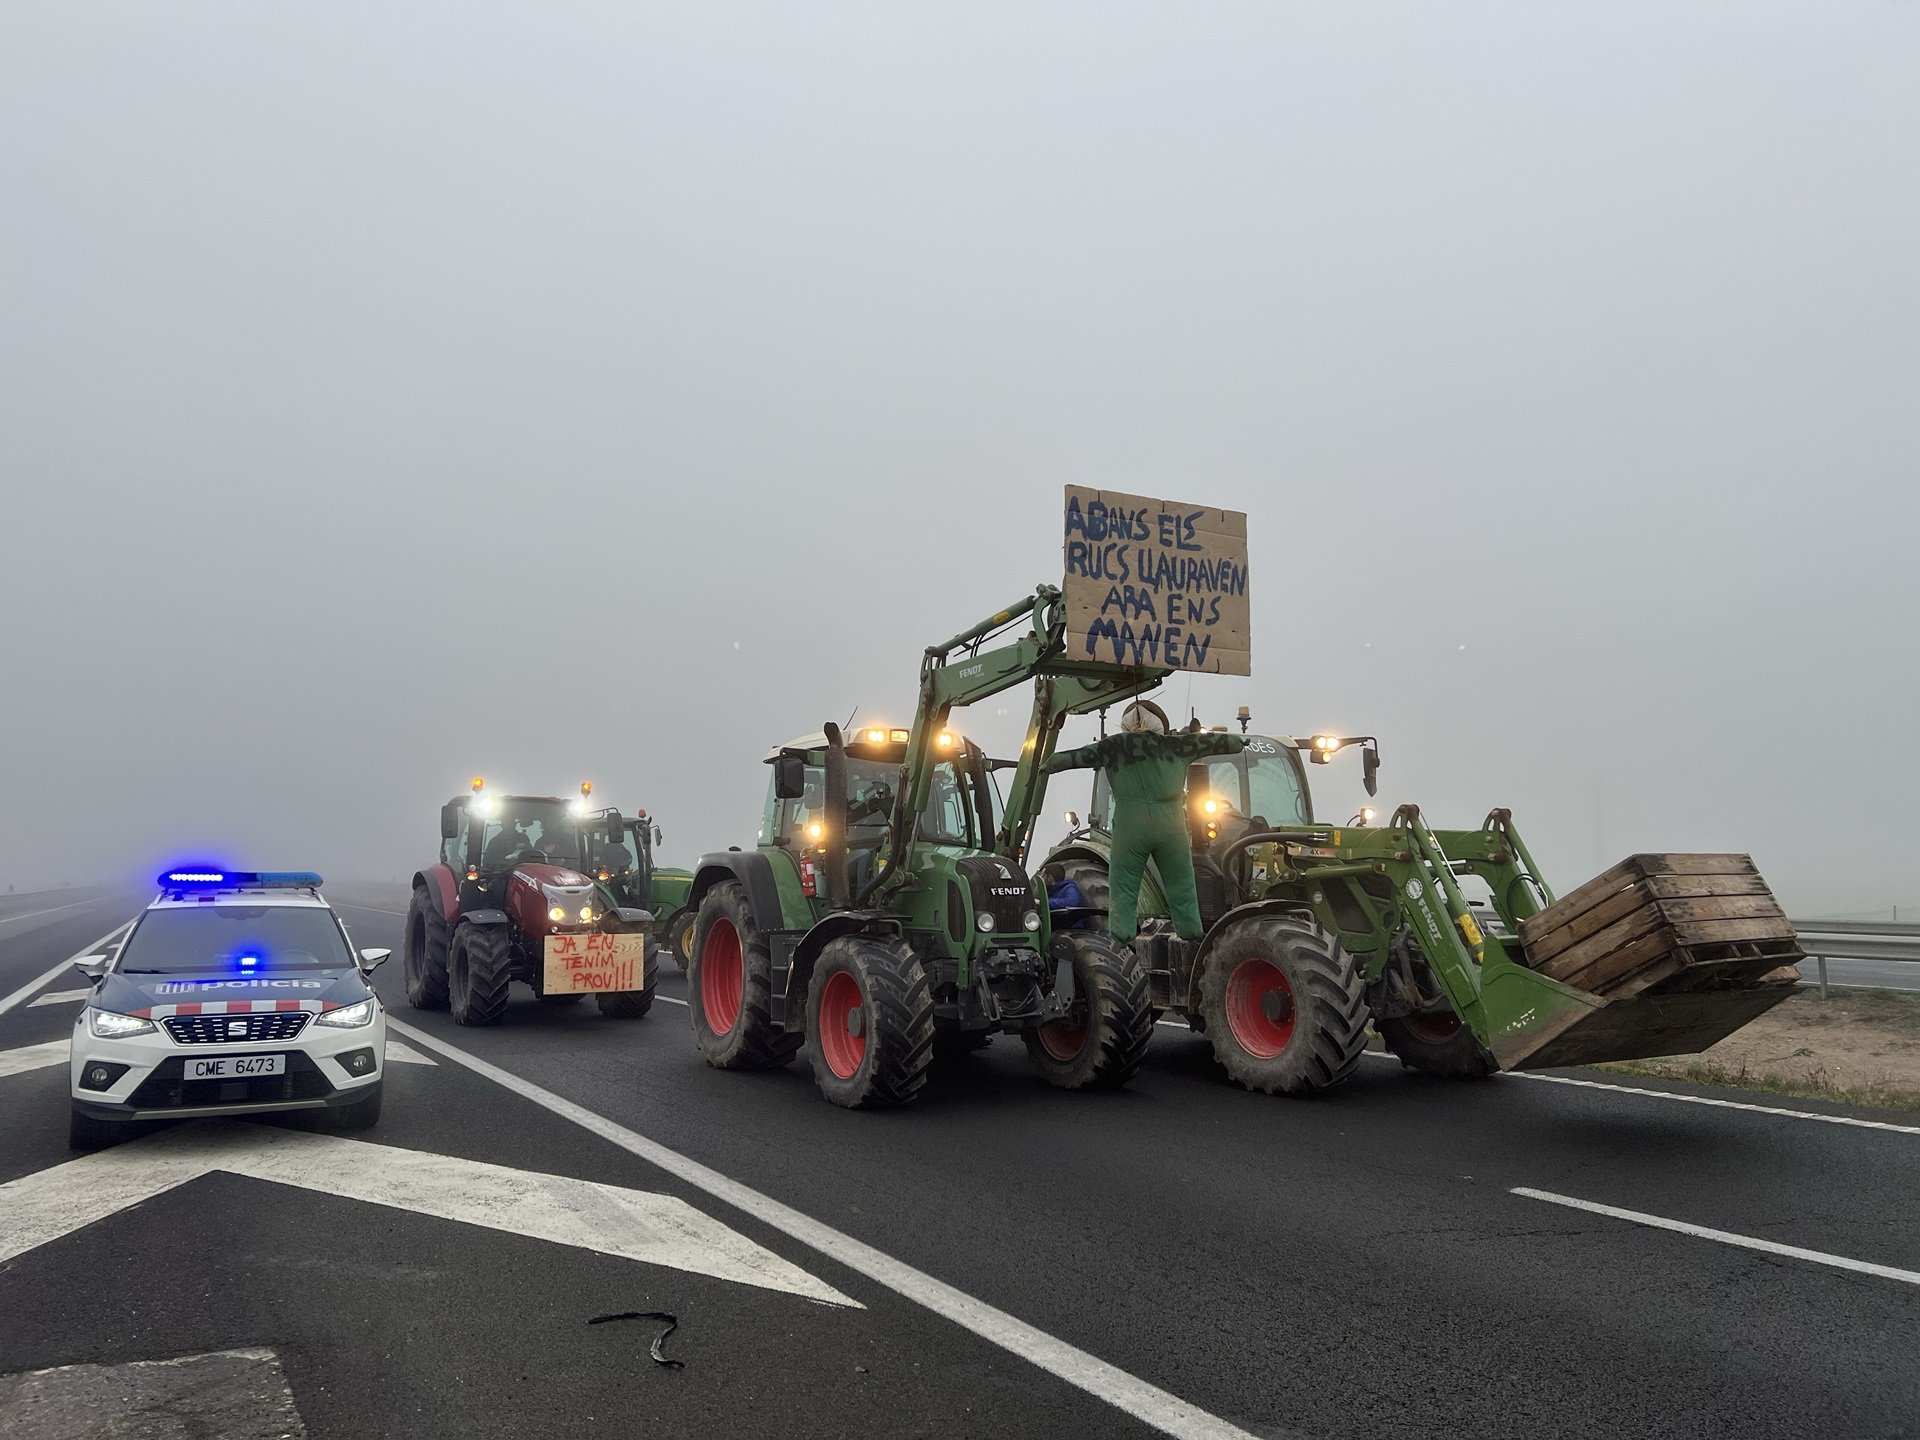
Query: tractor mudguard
[
  {"x": 443, "y": 892},
  {"x": 755, "y": 874},
  {"x": 791, "y": 989},
  {"x": 1191, "y": 998},
  {"x": 484, "y": 917},
  {"x": 628, "y": 915}
]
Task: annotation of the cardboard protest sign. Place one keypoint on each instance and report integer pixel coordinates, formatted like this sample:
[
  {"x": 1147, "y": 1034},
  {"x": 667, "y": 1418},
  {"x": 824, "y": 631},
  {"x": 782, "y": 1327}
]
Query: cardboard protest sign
[
  {"x": 1154, "y": 582},
  {"x": 595, "y": 964}
]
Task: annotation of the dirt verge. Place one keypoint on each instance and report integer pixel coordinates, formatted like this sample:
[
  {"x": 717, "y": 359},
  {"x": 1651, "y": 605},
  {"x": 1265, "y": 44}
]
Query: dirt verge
[{"x": 1857, "y": 1046}]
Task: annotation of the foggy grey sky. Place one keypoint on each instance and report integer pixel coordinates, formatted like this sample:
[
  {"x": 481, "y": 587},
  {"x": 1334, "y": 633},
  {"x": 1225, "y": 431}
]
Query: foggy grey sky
[{"x": 390, "y": 393}]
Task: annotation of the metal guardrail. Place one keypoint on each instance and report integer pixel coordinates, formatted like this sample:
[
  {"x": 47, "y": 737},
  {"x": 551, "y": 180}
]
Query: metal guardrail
[{"x": 1825, "y": 940}]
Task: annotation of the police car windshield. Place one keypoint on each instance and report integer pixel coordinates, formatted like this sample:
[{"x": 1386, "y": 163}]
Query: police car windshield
[{"x": 235, "y": 939}]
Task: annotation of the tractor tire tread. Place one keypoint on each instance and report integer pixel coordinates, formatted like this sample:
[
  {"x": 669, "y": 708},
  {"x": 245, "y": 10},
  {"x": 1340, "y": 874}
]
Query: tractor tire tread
[
  {"x": 900, "y": 1006},
  {"x": 483, "y": 953},
  {"x": 758, "y": 1043},
  {"x": 1120, "y": 1016},
  {"x": 1333, "y": 1007},
  {"x": 426, "y": 972}
]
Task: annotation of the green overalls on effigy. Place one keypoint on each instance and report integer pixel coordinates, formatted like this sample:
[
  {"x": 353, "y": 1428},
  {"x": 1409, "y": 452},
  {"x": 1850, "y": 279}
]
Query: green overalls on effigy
[{"x": 1148, "y": 775}]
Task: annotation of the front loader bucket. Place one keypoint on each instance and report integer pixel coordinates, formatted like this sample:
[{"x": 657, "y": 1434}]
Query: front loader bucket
[
  {"x": 1662, "y": 955},
  {"x": 1641, "y": 1026}
]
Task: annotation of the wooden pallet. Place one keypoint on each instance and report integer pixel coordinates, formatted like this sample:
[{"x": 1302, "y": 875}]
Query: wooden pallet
[{"x": 1679, "y": 922}]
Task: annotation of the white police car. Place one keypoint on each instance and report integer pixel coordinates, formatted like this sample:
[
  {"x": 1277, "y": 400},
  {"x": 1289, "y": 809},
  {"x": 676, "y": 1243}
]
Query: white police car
[{"x": 237, "y": 992}]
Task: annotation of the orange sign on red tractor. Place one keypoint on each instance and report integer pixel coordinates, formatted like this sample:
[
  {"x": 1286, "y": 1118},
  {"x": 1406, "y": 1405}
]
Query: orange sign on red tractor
[{"x": 594, "y": 964}]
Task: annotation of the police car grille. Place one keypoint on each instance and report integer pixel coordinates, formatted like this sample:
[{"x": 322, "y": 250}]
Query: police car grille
[{"x": 235, "y": 1029}]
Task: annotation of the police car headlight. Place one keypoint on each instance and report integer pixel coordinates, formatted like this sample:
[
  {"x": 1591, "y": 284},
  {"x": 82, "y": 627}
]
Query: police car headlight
[
  {"x": 349, "y": 1017},
  {"x": 111, "y": 1026},
  {"x": 1030, "y": 920},
  {"x": 983, "y": 922}
]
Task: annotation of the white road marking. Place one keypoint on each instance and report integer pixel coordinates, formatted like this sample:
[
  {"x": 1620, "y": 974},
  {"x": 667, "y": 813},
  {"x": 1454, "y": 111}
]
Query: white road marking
[
  {"x": 631, "y": 1224},
  {"x": 59, "y": 997},
  {"x": 33, "y": 1057},
  {"x": 1147, "y": 1403},
  {"x": 668, "y": 998},
  {"x": 1718, "y": 1103},
  {"x": 1724, "y": 1237},
  {"x": 407, "y": 1055},
  {"x": 29, "y": 914},
  {"x": 1680, "y": 1099},
  {"x": 46, "y": 979}
]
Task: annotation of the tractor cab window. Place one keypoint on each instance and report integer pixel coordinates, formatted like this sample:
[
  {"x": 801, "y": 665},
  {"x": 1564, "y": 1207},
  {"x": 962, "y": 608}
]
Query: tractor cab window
[
  {"x": 521, "y": 829},
  {"x": 615, "y": 856},
  {"x": 1218, "y": 779},
  {"x": 947, "y": 818},
  {"x": 1276, "y": 790}
]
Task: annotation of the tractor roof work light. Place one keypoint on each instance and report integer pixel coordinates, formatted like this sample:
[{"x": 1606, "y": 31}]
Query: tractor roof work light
[{"x": 1322, "y": 747}]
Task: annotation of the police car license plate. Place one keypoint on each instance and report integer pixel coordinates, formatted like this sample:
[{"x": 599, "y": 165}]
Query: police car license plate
[{"x": 236, "y": 1067}]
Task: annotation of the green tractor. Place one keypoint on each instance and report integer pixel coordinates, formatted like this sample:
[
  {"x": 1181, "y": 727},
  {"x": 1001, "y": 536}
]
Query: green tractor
[
  {"x": 1314, "y": 932},
  {"x": 885, "y": 910},
  {"x": 627, "y": 876}
]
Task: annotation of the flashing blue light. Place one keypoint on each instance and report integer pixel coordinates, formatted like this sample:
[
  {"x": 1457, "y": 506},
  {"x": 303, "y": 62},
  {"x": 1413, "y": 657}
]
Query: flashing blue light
[
  {"x": 247, "y": 962},
  {"x": 210, "y": 879}
]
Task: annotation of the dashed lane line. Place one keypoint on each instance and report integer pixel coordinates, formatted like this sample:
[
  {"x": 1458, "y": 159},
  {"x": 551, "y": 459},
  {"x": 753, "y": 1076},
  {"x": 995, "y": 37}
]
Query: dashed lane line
[
  {"x": 1724, "y": 1237},
  {"x": 40, "y": 982},
  {"x": 1147, "y": 1403},
  {"x": 58, "y": 997},
  {"x": 33, "y": 1057},
  {"x": 55, "y": 910}
]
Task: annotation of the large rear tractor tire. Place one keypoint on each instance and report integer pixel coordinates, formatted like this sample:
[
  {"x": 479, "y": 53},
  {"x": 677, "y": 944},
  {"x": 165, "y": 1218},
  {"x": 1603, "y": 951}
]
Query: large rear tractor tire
[
  {"x": 1096, "y": 890},
  {"x": 680, "y": 938},
  {"x": 479, "y": 972},
  {"x": 1437, "y": 1045},
  {"x": 1104, "y": 1037},
  {"x": 424, "y": 953},
  {"x": 730, "y": 987},
  {"x": 632, "y": 1004},
  {"x": 869, "y": 1022},
  {"x": 1284, "y": 1005}
]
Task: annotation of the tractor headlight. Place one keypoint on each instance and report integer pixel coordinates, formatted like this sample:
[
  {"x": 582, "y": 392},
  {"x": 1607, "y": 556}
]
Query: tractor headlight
[
  {"x": 983, "y": 922},
  {"x": 110, "y": 1025},
  {"x": 1030, "y": 921},
  {"x": 586, "y": 914},
  {"x": 556, "y": 915},
  {"x": 349, "y": 1017}
]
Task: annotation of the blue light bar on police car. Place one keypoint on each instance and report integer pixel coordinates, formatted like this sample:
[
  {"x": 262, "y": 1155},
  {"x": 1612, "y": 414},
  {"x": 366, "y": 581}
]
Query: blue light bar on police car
[{"x": 208, "y": 879}]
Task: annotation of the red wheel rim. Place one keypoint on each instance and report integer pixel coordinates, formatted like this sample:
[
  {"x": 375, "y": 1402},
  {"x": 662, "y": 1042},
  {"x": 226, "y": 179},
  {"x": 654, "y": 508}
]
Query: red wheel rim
[
  {"x": 1061, "y": 1040},
  {"x": 1432, "y": 1029},
  {"x": 841, "y": 1012},
  {"x": 723, "y": 977},
  {"x": 1260, "y": 1008}
]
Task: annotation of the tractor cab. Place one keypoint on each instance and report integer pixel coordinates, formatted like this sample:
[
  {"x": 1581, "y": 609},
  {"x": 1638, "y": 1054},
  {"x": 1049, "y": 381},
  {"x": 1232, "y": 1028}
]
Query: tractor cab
[
  {"x": 485, "y": 838},
  {"x": 960, "y": 812}
]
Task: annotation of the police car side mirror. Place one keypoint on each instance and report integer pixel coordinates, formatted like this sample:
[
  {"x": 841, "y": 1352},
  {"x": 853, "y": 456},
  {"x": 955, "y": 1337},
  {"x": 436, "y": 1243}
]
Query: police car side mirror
[
  {"x": 371, "y": 960},
  {"x": 92, "y": 966}
]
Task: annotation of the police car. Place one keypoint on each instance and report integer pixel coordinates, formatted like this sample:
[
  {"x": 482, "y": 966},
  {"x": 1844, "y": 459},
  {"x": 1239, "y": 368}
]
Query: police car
[{"x": 236, "y": 993}]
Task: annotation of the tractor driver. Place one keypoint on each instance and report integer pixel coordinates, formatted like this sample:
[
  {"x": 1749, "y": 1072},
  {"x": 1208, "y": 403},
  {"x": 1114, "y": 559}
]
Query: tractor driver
[
  {"x": 503, "y": 847},
  {"x": 1147, "y": 772}
]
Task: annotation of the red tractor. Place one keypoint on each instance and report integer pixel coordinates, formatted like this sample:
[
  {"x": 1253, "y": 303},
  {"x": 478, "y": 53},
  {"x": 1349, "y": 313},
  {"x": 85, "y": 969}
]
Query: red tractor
[{"x": 513, "y": 897}]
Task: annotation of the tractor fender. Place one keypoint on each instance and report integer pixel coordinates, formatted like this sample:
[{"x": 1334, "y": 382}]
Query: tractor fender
[
  {"x": 755, "y": 874},
  {"x": 800, "y": 965},
  {"x": 1065, "y": 854},
  {"x": 484, "y": 917},
  {"x": 443, "y": 893},
  {"x": 1239, "y": 912},
  {"x": 629, "y": 916}
]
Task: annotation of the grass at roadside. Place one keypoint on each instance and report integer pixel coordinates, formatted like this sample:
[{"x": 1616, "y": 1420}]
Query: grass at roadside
[{"x": 1858, "y": 1047}]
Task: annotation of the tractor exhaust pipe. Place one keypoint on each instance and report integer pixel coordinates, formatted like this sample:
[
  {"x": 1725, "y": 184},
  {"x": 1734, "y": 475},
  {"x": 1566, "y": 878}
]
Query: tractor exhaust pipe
[{"x": 834, "y": 851}]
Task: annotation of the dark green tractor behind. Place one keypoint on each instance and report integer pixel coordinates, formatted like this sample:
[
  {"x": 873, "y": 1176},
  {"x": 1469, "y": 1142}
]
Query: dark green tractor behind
[{"x": 1449, "y": 943}]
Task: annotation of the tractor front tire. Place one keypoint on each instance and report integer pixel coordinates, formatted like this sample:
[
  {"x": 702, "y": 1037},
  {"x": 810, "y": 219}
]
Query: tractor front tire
[
  {"x": 479, "y": 971},
  {"x": 1284, "y": 1005},
  {"x": 1437, "y": 1045},
  {"x": 632, "y": 1004},
  {"x": 1104, "y": 1037},
  {"x": 680, "y": 938},
  {"x": 730, "y": 987},
  {"x": 869, "y": 1023},
  {"x": 424, "y": 956}
]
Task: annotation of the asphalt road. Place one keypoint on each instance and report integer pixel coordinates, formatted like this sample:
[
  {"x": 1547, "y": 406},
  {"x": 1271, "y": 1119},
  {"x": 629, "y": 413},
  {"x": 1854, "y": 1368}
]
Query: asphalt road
[
  {"x": 1179, "y": 1258},
  {"x": 1866, "y": 974}
]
